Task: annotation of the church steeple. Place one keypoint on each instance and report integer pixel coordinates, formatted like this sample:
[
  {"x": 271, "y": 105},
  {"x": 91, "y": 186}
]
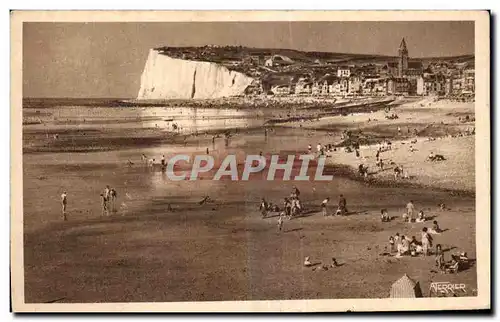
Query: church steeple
[
  {"x": 403, "y": 58},
  {"x": 402, "y": 46}
]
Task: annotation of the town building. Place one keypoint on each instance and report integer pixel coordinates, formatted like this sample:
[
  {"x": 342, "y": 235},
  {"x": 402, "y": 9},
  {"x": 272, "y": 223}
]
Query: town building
[
  {"x": 343, "y": 71},
  {"x": 303, "y": 87},
  {"x": 468, "y": 81},
  {"x": 398, "y": 86},
  {"x": 375, "y": 87},
  {"x": 403, "y": 58},
  {"x": 403, "y": 68},
  {"x": 434, "y": 85},
  {"x": 281, "y": 90},
  {"x": 355, "y": 85}
]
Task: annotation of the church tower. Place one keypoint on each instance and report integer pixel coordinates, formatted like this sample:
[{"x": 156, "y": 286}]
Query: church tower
[{"x": 403, "y": 58}]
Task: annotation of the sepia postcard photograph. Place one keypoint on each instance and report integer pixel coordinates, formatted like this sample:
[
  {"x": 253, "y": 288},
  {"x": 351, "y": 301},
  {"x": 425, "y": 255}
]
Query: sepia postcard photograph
[{"x": 250, "y": 161}]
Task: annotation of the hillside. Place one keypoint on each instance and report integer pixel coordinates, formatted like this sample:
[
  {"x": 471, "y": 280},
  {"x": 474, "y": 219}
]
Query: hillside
[{"x": 221, "y": 71}]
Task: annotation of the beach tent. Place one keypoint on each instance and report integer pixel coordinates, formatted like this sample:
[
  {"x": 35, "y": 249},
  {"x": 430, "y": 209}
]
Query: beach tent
[{"x": 405, "y": 287}]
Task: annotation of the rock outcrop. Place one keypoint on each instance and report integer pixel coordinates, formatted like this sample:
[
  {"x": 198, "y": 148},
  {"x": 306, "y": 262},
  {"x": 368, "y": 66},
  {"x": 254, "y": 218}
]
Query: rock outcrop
[{"x": 165, "y": 77}]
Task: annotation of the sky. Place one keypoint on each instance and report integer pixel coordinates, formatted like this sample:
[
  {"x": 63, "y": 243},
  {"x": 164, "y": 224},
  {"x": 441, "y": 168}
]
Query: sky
[{"x": 106, "y": 59}]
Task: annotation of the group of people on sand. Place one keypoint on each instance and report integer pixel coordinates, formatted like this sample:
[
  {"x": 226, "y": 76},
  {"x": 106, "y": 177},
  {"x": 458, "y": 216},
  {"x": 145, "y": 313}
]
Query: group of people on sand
[
  {"x": 150, "y": 162},
  {"x": 457, "y": 263},
  {"x": 398, "y": 170},
  {"x": 318, "y": 266},
  {"x": 321, "y": 149},
  {"x": 108, "y": 202},
  {"x": 292, "y": 207},
  {"x": 405, "y": 246},
  {"x": 341, "y": 210}
]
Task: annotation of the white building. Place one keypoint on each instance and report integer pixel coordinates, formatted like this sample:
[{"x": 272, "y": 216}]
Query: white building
[{"x": 343, "y": 72}]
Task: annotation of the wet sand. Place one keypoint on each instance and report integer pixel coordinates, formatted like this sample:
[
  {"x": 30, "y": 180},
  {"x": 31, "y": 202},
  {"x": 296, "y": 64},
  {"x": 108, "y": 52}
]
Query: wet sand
[{"x": 222, "y": 250}]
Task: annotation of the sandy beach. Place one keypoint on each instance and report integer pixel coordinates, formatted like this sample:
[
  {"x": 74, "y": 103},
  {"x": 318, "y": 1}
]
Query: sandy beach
[
  {"x": 224, "y": 250},
  {"x": 433, "y": 127}
]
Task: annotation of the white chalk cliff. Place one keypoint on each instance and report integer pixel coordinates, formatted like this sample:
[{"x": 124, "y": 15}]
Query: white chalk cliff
[{"x": 165, "y": 77}]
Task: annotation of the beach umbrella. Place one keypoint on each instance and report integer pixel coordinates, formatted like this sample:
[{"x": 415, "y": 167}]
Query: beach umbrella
[{"x": 405, "y": 287}]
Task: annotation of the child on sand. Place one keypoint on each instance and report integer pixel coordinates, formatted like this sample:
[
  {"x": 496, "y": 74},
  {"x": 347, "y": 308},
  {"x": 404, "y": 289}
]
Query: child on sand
[
  {"x": 391, "y": 244},
  {"x": 323, "y": 207},
  {"x": 64, "y": 202},
  {"x": 426, "y": 241},
  {"x": 405, "y": 217},
  {"x": 415, "y": 246},
  {"x": 280, "y": 222},
  {"x": 342, "y": 205},
  {"x": 288, "y": 208},
  {"x": 112, "y": 197},
  {"x": 397, "y": 172},
  {"x": 263, "y": 208},
  {"x": 104, "y": 205},
  {"x": 410, "y": 207},
  {"x": 296, "y": 207},
  {"x": 384, "y": 216},
  {"x": 421, "y": 216},
  {"x": 435, "y": 228},
  {"x": 439, "y": 257},
  {"x": 404, "y": 246}
]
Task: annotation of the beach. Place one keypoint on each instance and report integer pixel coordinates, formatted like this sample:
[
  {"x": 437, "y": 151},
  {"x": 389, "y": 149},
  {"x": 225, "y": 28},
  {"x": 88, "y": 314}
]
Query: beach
[{"x": 223, "y": 249}]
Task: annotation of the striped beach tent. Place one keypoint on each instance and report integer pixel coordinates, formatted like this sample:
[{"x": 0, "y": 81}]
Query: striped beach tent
[{"x": 405, "y": 287}]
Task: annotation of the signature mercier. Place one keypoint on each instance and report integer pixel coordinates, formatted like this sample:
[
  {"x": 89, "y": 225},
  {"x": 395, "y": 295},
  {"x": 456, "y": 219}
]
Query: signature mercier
[{"x": 447, "y": 287}]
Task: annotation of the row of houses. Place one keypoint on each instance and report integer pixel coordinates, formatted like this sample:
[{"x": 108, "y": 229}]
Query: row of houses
[
  {"x": 352, "y": 85},
  {"x": 403, "y": 76}
]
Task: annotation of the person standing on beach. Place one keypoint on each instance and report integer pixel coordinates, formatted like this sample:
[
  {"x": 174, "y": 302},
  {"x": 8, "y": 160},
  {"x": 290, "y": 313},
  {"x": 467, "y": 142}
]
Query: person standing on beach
[
  {"x": 280, "y": 223},
  {"x": 107, "y": 193},
  {"x": 104, "y": 205},
  {"x": 323, "y": 207},
  {"x": 163, "y": 160},
  {"x": 263, "y": 208},
  {"x": 288, "y": 208},
  {"x": 342, "y": 205},
  {"x": 309, "y": 148},
  {"x": 426, "y": 241},
  {"x": 64, "y": 202},
  {"x": 113, "y": 195},
  {"x": 107, "y": 190},
  {"x": 397, "y": 172},
  {"x": 410, "y": 207}
]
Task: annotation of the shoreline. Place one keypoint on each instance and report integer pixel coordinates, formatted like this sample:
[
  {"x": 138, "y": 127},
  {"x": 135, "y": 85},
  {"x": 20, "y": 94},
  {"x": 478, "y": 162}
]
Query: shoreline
[
  {"x": 366, "y": 133},
  {"x": 350, "y": 172}
]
